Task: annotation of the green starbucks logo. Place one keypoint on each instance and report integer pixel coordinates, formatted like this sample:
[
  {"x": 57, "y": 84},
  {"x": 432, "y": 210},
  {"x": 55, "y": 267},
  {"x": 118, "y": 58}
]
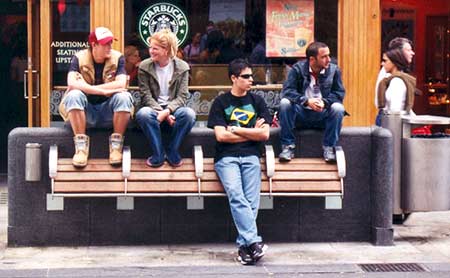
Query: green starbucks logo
[{"x": 163, "y": 16}]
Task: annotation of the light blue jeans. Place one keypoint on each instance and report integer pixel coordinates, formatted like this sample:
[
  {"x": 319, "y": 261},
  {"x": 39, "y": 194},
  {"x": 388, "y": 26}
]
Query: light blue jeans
[
  {"x": 241, "y": 179},
  {"x": 329, "y": 119},
  {"x": 146, "y": 117},
  {"x": 99, "y": 115}
]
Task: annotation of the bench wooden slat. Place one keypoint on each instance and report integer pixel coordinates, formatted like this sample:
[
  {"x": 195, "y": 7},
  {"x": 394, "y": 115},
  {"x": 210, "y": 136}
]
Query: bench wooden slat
[
  {"x": 137, "y": 176},
  {"x": 186, "y": 176},
  {"x": 305, "y": 167},
  {"x": 91, "y": 167},
  {"x": 148, "y": 186},
  {"x": 205, "y": 160},
  {"x": 302, "y": 186},
  {"x": 97, "y": 165},
  {"x": 309, "y": 175},
  {"x": 188, "y": 187},
  {"x": 68, "y": 161},
  {"x": 210, "y": 167},
  {"x": 141, "y": 167}
]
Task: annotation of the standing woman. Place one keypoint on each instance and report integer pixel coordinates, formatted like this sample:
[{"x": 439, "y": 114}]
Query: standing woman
[
  {"x": 406, "y": 46},
  {"x": 163, "y": 83},
  {"x": 396, "y": 92}
]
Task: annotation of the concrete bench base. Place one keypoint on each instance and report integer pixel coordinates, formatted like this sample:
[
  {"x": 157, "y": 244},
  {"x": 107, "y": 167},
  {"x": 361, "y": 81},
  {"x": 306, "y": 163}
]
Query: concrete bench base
[{"x": 366, "y": 213}]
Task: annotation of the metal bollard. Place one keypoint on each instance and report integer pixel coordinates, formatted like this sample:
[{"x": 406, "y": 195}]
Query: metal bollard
[{"x": 33, "y": 162}]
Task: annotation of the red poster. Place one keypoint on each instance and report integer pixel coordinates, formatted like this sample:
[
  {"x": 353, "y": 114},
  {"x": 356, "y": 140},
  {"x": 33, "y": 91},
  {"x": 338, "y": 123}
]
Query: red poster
[{"x": 289, "y": 27}]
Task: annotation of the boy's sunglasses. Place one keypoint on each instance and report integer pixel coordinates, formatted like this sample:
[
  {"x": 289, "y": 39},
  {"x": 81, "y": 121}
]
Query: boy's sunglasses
[{"x": 246, "y": 76}]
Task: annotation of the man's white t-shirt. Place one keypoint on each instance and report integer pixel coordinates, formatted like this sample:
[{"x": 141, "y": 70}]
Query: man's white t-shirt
[
  {"x": 164, "y": 75},
  {"x": 309, "y": 91}
]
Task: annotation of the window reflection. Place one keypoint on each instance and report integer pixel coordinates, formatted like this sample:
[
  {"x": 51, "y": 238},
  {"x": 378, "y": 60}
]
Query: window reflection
[
  {"x": 220, "y": 31},
  {"x": 70, "y": 30}
]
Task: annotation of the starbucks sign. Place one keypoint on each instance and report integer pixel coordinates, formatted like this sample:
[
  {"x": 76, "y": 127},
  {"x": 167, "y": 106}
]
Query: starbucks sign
[{"x": 163, "y": 16}]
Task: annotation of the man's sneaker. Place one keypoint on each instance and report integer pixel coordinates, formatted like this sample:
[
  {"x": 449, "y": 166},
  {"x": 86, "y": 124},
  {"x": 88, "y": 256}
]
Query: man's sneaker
[
  {"x": 115, "y": 149},
  {"x": 244, "y": 256},
  {"x": 287, "y": 153},
  {"x": 81, "y": 155},
  {"x": 257, "y": 250},
  {"x": 263, "y": 246},
  {"x": 328, "y": 154}
]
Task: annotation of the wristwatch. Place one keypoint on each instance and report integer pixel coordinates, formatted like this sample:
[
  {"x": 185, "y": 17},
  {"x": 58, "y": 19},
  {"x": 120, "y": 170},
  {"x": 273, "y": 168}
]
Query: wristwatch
[{"x": 233, "y": 129}]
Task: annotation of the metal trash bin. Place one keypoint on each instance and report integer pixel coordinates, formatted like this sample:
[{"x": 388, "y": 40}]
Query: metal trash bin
[
  {"x": 33, "y": 162},
  {"x": 425, "y": 180}
]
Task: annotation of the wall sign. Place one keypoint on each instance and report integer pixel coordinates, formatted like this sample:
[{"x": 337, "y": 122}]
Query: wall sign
[
  {"x": 289, "y": 27},
  {"x": 163, "y": 16},
  {"x": 63, "y": 52}
]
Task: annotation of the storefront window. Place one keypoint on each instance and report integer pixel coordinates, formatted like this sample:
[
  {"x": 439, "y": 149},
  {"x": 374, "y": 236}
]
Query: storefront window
[
  {"x": 216, "y": 32},
  {"x": 70, "y": 30}
]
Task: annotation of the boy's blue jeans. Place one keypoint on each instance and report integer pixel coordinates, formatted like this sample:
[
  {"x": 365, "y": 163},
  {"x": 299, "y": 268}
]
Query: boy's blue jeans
[
  {"x": 241, "y": 179},
  {"x": 146, "y": 117}
]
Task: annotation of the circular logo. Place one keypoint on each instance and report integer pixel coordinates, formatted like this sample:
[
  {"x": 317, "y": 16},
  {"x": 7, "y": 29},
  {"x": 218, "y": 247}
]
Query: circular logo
[{"x": 163, "y": 16}]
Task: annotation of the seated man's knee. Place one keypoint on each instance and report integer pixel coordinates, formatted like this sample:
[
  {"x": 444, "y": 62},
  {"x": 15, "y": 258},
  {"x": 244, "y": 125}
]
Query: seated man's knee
[
  {"x": 146, "y": 114},
  {"x": 75, "y": 99},
  {"x": 189, "y": 114},
  {"x": 185, "y": 117},
  {"x": 337, "y": 108},
  {"x": 74, "y": 95},
  {"x": 285, "y": 104},
  {"x": 123, "y": 99}
]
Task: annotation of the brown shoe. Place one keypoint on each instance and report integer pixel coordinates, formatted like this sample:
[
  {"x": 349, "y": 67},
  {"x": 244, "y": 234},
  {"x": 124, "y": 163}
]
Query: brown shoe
[
  {"x": 80, "y": 158},
  {"x": 115, "y": 149}
]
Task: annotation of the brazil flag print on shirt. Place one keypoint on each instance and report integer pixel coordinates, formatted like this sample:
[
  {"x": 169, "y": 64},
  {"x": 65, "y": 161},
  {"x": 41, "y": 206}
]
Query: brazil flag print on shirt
[{"x": 241, "y": 116}]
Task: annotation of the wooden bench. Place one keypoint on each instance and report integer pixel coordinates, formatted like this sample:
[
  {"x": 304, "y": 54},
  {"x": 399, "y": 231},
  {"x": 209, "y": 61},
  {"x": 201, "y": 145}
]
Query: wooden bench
[
  {"x": 366, "y": 213},
  {"x": 195, "y": 179}
]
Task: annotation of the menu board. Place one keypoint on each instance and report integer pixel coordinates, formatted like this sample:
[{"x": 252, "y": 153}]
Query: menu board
[{"x": 289, "y": 27}]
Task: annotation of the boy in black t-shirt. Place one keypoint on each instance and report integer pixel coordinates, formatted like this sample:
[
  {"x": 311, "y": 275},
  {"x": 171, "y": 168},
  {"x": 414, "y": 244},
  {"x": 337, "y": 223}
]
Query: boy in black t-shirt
[{"x": 241, "y": 121}]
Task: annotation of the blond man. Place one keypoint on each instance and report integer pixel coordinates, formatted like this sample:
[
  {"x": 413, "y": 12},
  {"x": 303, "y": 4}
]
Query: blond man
[{"x": 163, "y": 83}]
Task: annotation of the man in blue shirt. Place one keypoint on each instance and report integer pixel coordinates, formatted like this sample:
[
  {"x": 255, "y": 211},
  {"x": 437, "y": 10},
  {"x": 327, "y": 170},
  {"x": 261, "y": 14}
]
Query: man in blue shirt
[{"x": 312, "y": 97}]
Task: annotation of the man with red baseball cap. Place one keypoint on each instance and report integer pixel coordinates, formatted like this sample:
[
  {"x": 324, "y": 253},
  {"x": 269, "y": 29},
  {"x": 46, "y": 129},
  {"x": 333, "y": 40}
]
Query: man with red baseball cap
[
  {"x": 96, "y": 96},
  {"x": 101, "y": 35}
]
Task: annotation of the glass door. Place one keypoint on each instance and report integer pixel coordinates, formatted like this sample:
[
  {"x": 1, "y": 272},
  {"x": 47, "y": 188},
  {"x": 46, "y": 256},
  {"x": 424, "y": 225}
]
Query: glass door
[
  {"x": 437, "y": 65},
  {"x": 31, "y": 74},
  {"x": 69, "y": 34}
]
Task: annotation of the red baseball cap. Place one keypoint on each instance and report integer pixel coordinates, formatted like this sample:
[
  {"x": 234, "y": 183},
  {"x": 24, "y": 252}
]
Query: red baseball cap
[{"x": 101, "y": 35}]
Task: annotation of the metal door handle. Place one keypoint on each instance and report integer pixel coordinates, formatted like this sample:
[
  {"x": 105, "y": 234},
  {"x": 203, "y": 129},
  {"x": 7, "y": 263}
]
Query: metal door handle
[{"x": 25, "y": 78}]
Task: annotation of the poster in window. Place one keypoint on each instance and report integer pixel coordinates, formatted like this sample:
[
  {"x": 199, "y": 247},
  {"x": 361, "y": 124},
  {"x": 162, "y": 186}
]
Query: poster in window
[{"x": 289, "y": 27}]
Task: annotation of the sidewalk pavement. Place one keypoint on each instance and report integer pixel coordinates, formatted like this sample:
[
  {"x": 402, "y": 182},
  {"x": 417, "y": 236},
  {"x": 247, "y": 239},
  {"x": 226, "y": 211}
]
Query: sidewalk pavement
[{"x": 423, "y": 239}]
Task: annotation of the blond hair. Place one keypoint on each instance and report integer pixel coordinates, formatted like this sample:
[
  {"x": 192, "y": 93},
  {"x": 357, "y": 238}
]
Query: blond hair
[{"x": 167, "y": 40}]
